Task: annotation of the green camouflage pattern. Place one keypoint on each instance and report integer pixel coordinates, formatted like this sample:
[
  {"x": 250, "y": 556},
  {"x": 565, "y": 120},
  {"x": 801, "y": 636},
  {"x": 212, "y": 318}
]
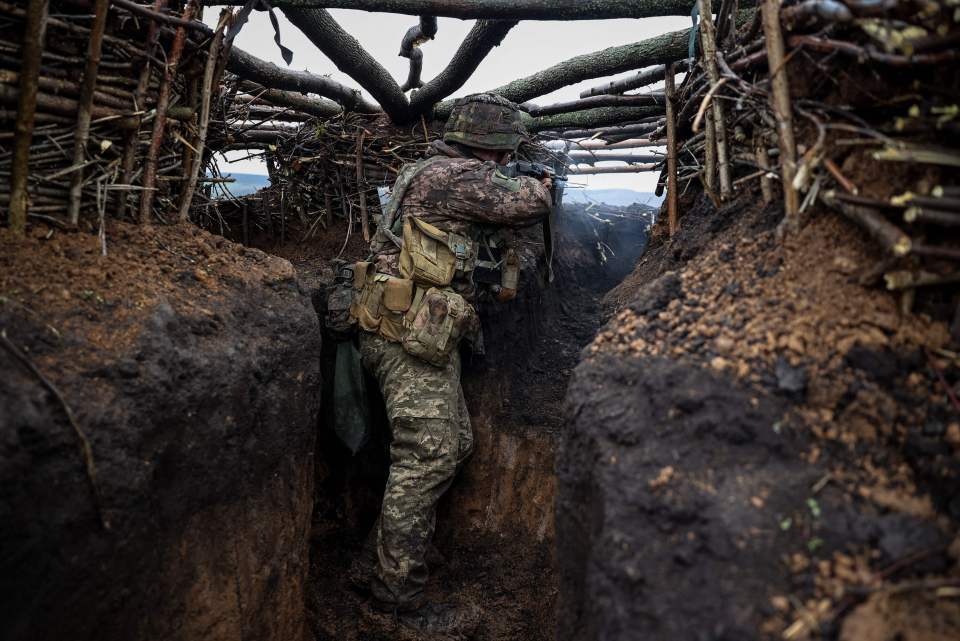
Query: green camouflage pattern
[
  {"x": 432, "y": 437},
  {"x": 486, "y": 121}
]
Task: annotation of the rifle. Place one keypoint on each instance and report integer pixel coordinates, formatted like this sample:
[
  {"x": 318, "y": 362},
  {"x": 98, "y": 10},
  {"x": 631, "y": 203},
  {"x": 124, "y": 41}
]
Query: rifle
[{"x": 558, "y": 182}]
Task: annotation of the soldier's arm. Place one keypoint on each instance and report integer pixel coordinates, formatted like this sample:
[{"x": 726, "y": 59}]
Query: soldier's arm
[{"x": 478, "y": 192}]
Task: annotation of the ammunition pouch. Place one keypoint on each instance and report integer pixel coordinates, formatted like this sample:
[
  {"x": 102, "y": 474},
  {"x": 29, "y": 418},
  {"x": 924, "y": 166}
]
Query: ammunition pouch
[
  {"x": 338, "y": 319},
  {"x": 428, "y": 323},
  {"x": 431, "y": 256},
  {"x": 441, "y": 319}
]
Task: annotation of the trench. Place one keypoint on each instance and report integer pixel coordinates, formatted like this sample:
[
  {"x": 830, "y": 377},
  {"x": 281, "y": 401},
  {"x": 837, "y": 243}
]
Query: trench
[{"x": 494, "y": 544}]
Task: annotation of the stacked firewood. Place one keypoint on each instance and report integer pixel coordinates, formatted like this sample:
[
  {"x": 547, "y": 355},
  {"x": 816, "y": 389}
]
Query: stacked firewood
[
  {"x": 322, "y": 167},
  {"x": 102, "y": 111},
  {"x": 849, "y": 104}
]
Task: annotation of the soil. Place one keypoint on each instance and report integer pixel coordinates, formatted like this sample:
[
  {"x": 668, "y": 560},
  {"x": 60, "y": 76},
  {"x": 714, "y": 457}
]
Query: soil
[
  {"x": 760, "y": 432},
  {"x": 190, "y": 366}
]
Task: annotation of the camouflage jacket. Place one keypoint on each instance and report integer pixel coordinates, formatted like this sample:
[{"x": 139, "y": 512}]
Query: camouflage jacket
[{"x": 461, "y": 195}]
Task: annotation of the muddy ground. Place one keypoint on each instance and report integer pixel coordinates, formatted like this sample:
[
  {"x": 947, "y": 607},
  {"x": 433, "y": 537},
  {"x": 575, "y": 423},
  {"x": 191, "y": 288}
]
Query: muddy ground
[
  {"x": 189, "y": 366},
  {"x": 759, "y": 447}
]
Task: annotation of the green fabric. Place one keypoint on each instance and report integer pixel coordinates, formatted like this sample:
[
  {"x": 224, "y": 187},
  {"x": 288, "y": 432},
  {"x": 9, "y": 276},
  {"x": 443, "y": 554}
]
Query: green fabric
[{"x": 351, "y": 411}]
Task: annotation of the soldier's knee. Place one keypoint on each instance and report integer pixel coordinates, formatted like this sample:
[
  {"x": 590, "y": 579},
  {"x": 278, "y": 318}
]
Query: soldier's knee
[{"x": 432, "y": 442}]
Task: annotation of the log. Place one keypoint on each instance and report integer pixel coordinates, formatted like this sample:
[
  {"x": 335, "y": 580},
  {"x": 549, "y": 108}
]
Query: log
[
  {"x": 607, "y": 132},
  {"x": 673, "y": 201},
  {"x": 643, "y": 100},
  {"x": 709, "y": 41},
  {"x": 872, "y": 221},
  {"x": 590, "y": 158},
  {"x": 591, "y": 118},
  {"x": 499, "y": 9},
  {"x": 351, "y": 58},
  {"x": 640, "y": 79},
  {"x": 479, "y": 42},
  {"x": 33, "y": 38},
  {"x": 780, "y": 99},
  {"x": 629, "y": 169},
  {"x": 633, "y": 143},
  {"x": 763, "y": 162},
  {"x": 662, "y": 49},
  {"x": 267, "y": 74},
  {"x": 87, "y": 87},
  {"x": 207, "y": 89},
  {"x": 159, "y": 123},
  {"x": 319, "y": 107},
  {"x": 929, "y": 215}
]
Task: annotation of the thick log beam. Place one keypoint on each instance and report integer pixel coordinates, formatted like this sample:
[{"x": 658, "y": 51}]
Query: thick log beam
[
  {"x": 608, "y": 132},
  {"x": 270, "y": 75},
  {"x": 591, "y": 118},
  {"x": 498, "y": 9},
  {"x": 645, "y": 100},
  {"x": 591, "y": 158},
  {"x": 660, "y": 50},
  {"x": 636, "y": 81},
  {"x": 627, "y": 169},
  {"x": 351, "y": 58},
  {"x": 480, "y": 41}
]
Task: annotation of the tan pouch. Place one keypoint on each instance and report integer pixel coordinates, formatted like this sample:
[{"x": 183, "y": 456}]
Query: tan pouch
[
  {"x": 366, "y": 306},
  {"x": 440, "y": 321},
  {"x": 431, "y": 256},
  {"x": 397, "y": 296}
]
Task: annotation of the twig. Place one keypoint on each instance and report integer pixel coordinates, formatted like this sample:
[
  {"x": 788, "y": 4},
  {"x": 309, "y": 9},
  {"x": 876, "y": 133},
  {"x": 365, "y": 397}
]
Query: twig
[
  {"x": 85, "y": 449},
  {"x": 672, "y": 195}
]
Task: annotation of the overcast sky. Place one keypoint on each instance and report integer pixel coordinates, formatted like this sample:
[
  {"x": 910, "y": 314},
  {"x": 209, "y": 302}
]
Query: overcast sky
[{"x": 528, "y": 48}]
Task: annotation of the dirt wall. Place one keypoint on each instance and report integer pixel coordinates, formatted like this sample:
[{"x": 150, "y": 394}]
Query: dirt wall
[{"x": 191, "y": 366}]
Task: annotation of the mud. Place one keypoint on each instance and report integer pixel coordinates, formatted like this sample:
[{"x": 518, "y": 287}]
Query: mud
[
  {"x": 190, "y": 365},
  {"x": 756, "y": 443}
]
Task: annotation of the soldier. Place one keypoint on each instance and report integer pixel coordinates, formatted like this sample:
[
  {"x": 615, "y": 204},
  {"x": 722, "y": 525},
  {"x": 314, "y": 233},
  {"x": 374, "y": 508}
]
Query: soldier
[{"x": 414, "y": 302}]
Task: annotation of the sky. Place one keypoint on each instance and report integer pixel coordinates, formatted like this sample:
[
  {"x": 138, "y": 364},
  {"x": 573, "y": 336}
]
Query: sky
[{"x": 528, "y": 48}]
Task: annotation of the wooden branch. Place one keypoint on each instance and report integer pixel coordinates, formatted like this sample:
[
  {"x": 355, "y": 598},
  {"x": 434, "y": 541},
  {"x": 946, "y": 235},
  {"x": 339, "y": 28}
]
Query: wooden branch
[
  {"x": 629, "y": 169},
  {"x": 319, "y": 107},
  {"x": 351, "y": 58},
  {"x": 633, "y": 143},
  {"x": 641, "y": 79},
  {"x": 932, "y": 216},
  {"x": 673, "y": 201},
  {"x": 207, "y": 89},
  {"x": 30, "y": 54},
  {"x": 361, "y": 181},
  {"x": 709, "y": 42},
  {"x": 763, "y": 162},
  {"x": 659, "y": 50},
  {"x": 590, "y": 157},
  {"x": 895, "y": 60},
  {"x": 884, "y": 232},
  {"x": 89, "y": 83},
  {"x": 160, "y": 122},
  {"x": 608, "y": 132},
  {"x": 270, "y": 75},
  {"x": 599, "y": 117},
  {"x": 643, "y": 100},
  {"x": 410, "y": 48},
  {"x": 480, "y": 41},
  {"x": 500, "y": 9},
  {"x": 710, "y": 154},
  {"x": 780, "y": 99}
]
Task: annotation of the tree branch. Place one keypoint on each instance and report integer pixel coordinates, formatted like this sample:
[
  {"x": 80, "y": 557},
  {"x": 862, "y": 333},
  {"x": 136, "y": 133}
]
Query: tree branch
[
  {"x": 483, "y": 37},
  {"x": 660, "y": 50},
  {"x": 270, "y": 75},
  {"x": 351, "y": 58},
  {"x": 640, "y": 79},
  {"x": 319, "y": 107},
  {"x": 498, "y": 9},
  {"x": 643, "y": 100},
  {"x": 590, "y": 118}
]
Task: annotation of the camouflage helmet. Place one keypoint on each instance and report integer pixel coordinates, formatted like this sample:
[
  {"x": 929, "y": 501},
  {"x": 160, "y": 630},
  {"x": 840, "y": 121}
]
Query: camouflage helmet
[{"x": 486, "y": 121}]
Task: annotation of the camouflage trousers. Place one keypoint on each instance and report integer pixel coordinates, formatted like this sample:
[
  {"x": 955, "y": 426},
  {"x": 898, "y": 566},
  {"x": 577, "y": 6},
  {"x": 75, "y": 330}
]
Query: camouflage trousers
[{"x": 431, "y": 434}]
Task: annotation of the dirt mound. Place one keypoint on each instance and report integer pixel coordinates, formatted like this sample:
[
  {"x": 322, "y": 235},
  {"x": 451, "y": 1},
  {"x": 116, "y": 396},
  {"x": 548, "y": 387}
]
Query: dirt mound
[
  {"x": 190, "y": 366},
  {"x": 810, "y": 404}
]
